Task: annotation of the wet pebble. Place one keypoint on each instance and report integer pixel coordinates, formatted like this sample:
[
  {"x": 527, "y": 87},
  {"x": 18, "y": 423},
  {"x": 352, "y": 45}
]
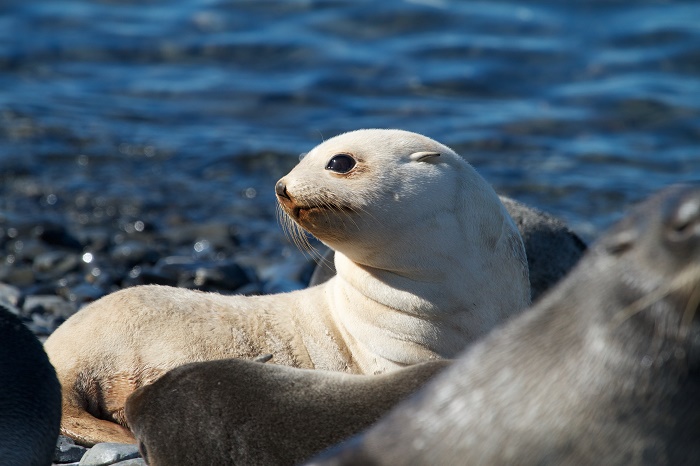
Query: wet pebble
[
  {"x": 285, "y": 277},
  {"x": 132, "y": 462},
  {"x": 55, "y": 264},
  {"x": 48, "y": 304},
  {"x": 56, "y": 235},
  {"x": 226, "y": 274},
  {"x": 10, "y": 295},
  {"x": 203, "y": 275},
  {"x": 109, "y": 453},
  {"x": 134, "y": 252},
  {"x": 218, "y": 235},
  {"x": 20, "y": 275},
  {"x": 67, "y": 451},
  {"x": 82, "y": 293}
]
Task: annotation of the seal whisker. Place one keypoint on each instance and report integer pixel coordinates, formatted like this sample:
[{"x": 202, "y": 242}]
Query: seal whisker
[
  {"x": 294, "y": 232},
  {"x": 689, "y": 275},
  {"x": 299, "y": 236},
  {"x": 691, "y": 309}
]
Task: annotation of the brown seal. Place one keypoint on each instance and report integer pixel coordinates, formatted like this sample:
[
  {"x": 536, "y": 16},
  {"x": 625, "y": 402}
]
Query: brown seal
[
  {"x": 603, "y": 370},
  {"x": 242, "y": 412},
  {"x": 30, "y": 397},
  {"x": 427, "y": 258},
  {"x": 552, "y": 248}
]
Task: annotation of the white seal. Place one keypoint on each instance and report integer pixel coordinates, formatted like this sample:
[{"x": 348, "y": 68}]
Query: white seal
[{"x": 427, "y": 259}]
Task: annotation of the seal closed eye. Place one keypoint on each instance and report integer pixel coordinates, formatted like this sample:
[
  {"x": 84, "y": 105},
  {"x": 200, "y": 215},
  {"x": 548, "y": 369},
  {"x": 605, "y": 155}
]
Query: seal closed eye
[{"x": 341, "y": 163}]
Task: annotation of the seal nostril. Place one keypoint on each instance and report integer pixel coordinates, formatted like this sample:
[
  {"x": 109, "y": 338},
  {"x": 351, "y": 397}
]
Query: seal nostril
[{"x": 281, "y": 189}]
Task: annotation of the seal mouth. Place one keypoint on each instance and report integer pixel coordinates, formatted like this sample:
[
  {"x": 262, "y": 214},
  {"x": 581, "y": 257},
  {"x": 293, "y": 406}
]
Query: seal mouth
[{"x": 306, "y": 213}]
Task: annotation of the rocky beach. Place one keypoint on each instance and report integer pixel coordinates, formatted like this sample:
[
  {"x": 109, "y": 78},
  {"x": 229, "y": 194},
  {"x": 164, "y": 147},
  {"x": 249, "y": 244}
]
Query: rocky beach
[{"x": 140, "y": 143}]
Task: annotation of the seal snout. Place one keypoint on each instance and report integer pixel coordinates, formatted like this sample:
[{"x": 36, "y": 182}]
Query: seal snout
[
  {"x": 684, "y": 224},
  {"x": 281, "y": 189},
  {"x": 285, "y": 200}
]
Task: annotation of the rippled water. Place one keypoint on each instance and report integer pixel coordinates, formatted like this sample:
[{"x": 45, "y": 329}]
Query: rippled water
[{"x": 576, "y": 107}]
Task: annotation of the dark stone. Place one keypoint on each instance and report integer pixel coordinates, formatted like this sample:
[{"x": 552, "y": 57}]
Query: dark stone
[
  {"x": 205, "y": 275},
  {"x": 134, "y": 252},
  {"x": 83, "y": 293},
  {"x": 225, "y": 275},
  {"x": 10, "y": 295},
  {"x": 48, "y": 304},
  {"x": 17, "y": 274},
  {"x": 281, "y": 285},
  {"x": 149, "y": 276},
  {"x": 56, "y": 235},
  {"x": 109, "y": 453},
  {"x": 67, "y": 451},
  {"x": 56, "y": 263},
  {"x": 219, "y": 235}
]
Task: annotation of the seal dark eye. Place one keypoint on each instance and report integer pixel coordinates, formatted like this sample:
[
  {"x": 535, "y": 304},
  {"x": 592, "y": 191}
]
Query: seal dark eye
[{"x": 340, "y": 163}]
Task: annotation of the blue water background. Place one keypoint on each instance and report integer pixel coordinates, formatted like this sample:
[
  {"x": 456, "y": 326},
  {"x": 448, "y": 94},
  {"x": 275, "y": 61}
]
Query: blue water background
[{"x": 578, "y": 108}]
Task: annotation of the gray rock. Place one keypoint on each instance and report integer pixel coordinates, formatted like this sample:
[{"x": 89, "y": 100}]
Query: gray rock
[
  {"x": 227, "y": 275},
  {"x": 67, "y": 451},
  {"x": 56, "y": 235},
  {"x": 103, "y": 454},
  {"x": 552, "y": 248},
  {"x": 204, "y": 275},
  {"x": 133, "y": 462},
  {"x": 83, "y": 293},
  {"x": 10, "y": 297},
  {"x": 134, "y": 252},
  {"x": 281, "y": 285},
  {"x": 17, "y": 274},
  {"x": 218, "y": 235},
  {"x": 55, "y": 263},
  {"x": 48, "y": 304},
  {"x": 27, "y": 248},
  {"x": 283, "y": 277},
  {"x": 43, "y": 325},
  {"x": 251, "y": 289}
]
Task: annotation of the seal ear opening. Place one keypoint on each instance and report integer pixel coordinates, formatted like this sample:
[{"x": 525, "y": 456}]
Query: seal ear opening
[{"x": 424, "y": 156}]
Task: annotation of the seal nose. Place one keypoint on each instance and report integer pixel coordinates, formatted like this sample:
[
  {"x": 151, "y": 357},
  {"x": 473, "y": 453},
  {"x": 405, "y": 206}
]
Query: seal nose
[{"x": 281, "y": 189}]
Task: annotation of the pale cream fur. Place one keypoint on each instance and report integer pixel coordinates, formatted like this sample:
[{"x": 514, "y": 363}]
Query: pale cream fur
[{"x": 427, "y": 259}]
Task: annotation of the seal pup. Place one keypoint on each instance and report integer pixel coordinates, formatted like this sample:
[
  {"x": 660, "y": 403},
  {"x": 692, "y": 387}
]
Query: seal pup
[
  {"x": 552, "y": 249},
  {"x": 242, "y": 412},
  {"x": 604, "y": 370},
  {"x": 427, "y": 258},
  {"x": 30, "y": 396}
]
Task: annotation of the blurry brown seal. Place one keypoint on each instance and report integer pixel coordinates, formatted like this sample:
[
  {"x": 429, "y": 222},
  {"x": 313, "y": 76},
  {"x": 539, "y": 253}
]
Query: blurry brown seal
[
  {"x": 604, "y": 370},
  {"x": 241, "y": 412},
  {"x": 30, "y": 397},
  {"x": 428, "y": 259}
]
